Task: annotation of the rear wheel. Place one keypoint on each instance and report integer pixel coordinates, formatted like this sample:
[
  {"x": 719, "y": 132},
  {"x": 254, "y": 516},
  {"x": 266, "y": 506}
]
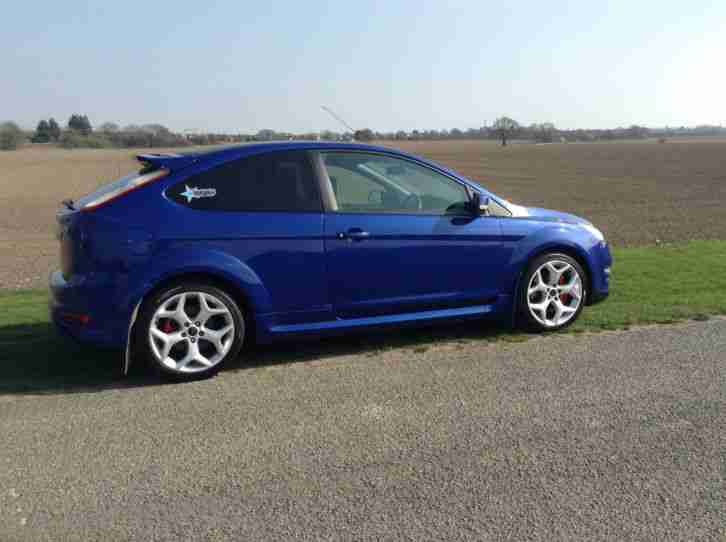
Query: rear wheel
[
  {"x": 552, "y": 292},
  {"x": 190, "y": 330}
]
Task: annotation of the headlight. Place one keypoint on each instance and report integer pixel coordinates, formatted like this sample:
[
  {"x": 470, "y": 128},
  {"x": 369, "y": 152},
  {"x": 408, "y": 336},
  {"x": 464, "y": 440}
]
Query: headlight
[{"x": 594, "y": 231}]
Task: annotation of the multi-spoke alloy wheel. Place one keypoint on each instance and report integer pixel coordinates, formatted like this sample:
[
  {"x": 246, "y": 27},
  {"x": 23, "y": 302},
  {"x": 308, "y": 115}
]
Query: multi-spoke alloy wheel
[
  {"x": 191, "y": 331},
  {"x": 554, "y": 292}
]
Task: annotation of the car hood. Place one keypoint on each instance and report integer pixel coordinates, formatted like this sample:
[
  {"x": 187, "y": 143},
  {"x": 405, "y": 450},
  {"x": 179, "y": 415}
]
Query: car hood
[{"x": 547, "y": 215}]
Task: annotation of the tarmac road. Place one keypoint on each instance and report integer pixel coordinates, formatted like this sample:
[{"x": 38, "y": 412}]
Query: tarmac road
[{"x": 612, "y": 436}]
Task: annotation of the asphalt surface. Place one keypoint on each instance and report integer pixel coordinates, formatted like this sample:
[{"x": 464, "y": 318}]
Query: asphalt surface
[{"x": 613, "y": 436}]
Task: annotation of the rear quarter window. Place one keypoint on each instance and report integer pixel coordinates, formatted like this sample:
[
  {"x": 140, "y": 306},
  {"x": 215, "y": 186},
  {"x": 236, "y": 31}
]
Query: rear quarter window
[{"x": 277, "y": 181}]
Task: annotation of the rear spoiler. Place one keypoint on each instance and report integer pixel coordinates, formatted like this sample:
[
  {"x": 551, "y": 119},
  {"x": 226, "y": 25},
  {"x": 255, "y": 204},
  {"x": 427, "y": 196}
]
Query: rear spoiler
[{"x": 169, "y": 161}]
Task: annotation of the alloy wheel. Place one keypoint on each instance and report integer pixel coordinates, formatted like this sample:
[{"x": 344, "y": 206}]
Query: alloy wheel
[
  {"x": 191, "y": 332},
  {"x": 554, "y": 293}
]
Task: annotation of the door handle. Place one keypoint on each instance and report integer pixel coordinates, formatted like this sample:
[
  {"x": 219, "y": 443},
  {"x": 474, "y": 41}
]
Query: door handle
[{"x": 354, "y": 234}]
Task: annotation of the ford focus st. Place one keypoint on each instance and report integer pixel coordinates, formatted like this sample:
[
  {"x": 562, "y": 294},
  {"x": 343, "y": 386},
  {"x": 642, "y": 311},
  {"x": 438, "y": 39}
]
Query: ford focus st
[{"x": 192, "y": 256}]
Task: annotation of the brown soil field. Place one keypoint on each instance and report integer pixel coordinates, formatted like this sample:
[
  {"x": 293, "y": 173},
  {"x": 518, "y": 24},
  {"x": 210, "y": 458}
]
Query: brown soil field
[{"x": 636, "y": 192}]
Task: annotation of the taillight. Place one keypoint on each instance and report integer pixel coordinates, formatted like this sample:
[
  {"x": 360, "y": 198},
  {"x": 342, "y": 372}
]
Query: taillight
[{"x": 131, "y": 184}]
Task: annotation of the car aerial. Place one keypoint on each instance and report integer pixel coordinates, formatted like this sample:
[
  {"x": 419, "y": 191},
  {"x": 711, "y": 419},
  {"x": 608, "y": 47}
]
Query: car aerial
[{"x": 186, "y": 260}]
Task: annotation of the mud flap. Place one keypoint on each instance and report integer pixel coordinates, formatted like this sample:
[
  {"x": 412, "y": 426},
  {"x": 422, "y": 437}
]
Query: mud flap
[{"x": 127, "y": 352}]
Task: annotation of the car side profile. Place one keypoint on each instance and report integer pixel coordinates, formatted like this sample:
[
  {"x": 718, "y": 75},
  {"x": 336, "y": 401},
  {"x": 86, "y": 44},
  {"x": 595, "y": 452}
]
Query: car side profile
[{"x": 186, "y": 260}]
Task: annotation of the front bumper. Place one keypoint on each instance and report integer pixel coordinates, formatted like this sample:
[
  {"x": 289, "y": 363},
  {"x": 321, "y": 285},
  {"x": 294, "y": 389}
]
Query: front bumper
[
  {"x": 601, "y": 266},
  {"x": 83, "y": 310}
]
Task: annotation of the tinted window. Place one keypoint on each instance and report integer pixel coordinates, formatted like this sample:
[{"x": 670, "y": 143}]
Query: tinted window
[
  {"x": 377, "y": 183},
  {"x": 277, "y": 181}
]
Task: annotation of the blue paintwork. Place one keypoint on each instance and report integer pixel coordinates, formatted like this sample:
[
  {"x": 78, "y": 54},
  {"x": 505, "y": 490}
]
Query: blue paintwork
[{"x": 295, "y": 275}]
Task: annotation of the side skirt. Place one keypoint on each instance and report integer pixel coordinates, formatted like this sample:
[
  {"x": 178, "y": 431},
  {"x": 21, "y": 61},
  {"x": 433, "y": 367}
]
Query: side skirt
[{"x": 340, "y": 325}]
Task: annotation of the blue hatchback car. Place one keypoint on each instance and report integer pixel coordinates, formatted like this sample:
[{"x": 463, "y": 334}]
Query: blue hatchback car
[{"x": 184, "y": 261}]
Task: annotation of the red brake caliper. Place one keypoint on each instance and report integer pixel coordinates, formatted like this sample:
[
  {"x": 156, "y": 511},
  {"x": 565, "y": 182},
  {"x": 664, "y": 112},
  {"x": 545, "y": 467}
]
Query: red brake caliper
[
  {"x": 565, "y": 298},
  {"x": 167, "y": 327}
]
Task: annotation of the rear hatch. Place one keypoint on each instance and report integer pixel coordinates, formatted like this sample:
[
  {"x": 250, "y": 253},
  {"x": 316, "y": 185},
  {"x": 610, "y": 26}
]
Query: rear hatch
[{"x": 84, "y": 234}]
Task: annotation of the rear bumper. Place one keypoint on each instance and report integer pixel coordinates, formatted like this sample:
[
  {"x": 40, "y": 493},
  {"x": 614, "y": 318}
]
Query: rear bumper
[{"x": 83, "y": 310}]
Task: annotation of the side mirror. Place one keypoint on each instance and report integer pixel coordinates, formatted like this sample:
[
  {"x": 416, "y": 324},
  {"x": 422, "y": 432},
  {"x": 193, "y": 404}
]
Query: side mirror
[{"x": 479, "y": 204}]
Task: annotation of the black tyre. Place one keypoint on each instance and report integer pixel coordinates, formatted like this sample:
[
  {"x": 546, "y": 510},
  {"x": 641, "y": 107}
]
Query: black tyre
[
  {"x": 189, "y": 330},
  {"x": 552, "y": 293}
]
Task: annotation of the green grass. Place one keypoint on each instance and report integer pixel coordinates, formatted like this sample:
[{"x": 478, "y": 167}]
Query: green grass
[
  {"x": 662, "y": 285},
  {"x": 649, "y": 285}
]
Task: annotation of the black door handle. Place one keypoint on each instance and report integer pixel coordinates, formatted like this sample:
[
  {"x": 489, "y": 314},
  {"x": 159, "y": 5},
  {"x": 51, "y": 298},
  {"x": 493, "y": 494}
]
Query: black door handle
[{"x": 354, "y": 234}]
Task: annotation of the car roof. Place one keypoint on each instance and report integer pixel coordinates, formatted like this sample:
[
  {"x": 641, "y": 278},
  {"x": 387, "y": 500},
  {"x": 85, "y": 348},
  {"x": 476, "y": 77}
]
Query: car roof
[{"x": 258, "y": 147}]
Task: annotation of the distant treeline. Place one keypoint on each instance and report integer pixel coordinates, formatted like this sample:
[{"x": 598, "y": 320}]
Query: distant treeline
[
  {"x": 506, "y": 129},
  {"x": 79, "y": 133}
]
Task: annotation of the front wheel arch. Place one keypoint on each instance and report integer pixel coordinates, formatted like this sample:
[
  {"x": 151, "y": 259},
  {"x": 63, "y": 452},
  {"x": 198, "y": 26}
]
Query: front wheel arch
[{"x": 568, "y": 250}]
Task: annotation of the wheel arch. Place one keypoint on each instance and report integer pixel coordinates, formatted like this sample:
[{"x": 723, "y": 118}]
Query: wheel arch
[
  {"x": 213, "y": 279},
  {"x": 569, "y": 250},
  {"x": 249, "y": 296}
]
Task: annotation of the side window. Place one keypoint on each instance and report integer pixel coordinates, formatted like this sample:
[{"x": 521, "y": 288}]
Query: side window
[
  {"x": 276, "y": 181},
  {"x": 383, "y": 184},
  {"x": 351, "y": 187}
]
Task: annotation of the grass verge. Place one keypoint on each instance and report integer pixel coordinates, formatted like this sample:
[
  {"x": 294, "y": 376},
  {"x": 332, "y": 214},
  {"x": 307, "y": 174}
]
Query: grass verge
[
  {"x": 662, "y": 285},
  {"x": 649, "y": 285}
]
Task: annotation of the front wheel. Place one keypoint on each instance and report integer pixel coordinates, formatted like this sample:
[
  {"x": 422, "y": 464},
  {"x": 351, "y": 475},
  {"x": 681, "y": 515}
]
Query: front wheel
[
  {"x": 189, "y": 331},
  {"x": 552, "y": 292}
]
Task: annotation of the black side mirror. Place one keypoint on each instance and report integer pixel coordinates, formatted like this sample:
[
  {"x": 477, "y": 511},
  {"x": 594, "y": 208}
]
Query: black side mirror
[{"x": 479, "y": 204}]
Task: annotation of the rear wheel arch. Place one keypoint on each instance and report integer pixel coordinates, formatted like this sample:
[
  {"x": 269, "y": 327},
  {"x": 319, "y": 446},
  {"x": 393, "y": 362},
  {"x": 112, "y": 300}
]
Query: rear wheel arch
[{"x": 233, "y": 290}]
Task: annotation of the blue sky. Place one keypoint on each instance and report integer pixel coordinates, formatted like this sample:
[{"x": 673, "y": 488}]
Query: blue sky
[{"x": 241, "y": 66}]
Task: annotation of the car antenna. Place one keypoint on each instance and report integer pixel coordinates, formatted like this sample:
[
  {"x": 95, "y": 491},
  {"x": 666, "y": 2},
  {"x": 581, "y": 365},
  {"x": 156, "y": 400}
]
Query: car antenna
[{"x": 341, "y": 121}]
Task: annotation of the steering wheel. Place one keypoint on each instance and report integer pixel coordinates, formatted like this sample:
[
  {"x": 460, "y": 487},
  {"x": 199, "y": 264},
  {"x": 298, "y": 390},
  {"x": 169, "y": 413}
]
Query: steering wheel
[{"x": 412, "y": 201}]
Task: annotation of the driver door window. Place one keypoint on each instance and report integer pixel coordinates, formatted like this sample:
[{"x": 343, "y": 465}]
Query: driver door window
[{"x": 372, "y": 183}]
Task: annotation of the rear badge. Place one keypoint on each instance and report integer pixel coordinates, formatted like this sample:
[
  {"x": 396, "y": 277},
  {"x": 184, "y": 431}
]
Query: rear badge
[{"x": 197, "y": 193}]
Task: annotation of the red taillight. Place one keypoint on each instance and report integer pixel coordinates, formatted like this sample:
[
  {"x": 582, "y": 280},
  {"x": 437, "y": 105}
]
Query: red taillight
[
  {"x": 73, "y": 317},
  {"x": 132, "y": 184}
]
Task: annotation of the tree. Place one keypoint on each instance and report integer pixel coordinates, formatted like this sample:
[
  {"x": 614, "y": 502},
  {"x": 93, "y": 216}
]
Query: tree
[
  {"x": 80, "y": 123},
  {"x": 363, "y": 135},
  {"x": 53, "y": 129},
  {"x": 42, "y": 132},
  {"x": 543, "y": 133},
  {"x": 109, "y": 127},
  {"x": 10, "y": 136},
  {"x": 505, "y": 128}
]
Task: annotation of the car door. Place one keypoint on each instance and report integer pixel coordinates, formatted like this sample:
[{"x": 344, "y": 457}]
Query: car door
[{"x": 400, "y": 237}]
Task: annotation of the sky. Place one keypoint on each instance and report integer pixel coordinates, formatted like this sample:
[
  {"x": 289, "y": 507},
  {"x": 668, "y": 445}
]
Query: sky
[{"x": 241, "y": 66}]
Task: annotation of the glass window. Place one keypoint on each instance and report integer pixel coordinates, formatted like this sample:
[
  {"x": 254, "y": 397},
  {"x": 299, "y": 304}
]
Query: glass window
[
  {"x": 277, "y": 181},
  {"x": 382, "y": 184}
]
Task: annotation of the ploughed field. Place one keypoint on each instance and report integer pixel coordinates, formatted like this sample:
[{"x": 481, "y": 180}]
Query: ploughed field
[{"x": 638, "y": 193}]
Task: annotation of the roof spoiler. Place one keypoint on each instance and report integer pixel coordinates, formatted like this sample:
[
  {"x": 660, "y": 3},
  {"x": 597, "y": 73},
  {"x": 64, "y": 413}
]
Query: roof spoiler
[{"x": 168, "y": 161}]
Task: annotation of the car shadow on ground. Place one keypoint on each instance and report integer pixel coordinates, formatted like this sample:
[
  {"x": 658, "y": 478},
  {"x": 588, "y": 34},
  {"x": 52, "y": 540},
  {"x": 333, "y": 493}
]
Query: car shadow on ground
[{"x": 35, "y": 360}]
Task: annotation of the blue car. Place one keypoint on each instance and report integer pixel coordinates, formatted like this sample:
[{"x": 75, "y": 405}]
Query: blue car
[{"x": 192, "y": 256}]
